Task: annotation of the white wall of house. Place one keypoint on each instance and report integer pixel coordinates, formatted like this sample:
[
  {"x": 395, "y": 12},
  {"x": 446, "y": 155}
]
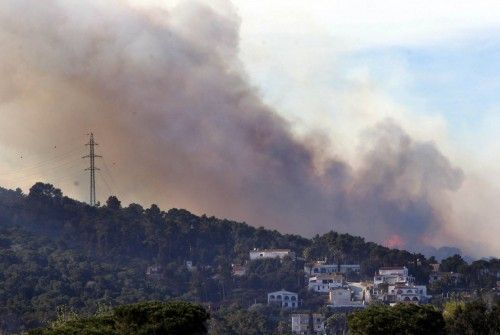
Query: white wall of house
[
  {"x": 401, "y": 271},
  {"x": 271, "y": 253},
  {"x": 300, "y": 324},
  {"x": 340, "y": 296},
  {"x": 325, "y": 283},
  {"x": 409, "y": 293},
  {"x": 392, "y": 276},
  {"x": 323, "y": 268},
  {"x": 284, "y": 299}
]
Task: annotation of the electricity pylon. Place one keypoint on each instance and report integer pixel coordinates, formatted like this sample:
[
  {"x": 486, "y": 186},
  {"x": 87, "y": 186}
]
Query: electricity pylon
[{"x": 92, "y": 169}]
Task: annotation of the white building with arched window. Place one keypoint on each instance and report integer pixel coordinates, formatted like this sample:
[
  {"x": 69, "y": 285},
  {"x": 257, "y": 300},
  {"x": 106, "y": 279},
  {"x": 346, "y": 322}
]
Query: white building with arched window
[
  {"x": 408, "y": 293},
  {"x": 283, "y": 298}
]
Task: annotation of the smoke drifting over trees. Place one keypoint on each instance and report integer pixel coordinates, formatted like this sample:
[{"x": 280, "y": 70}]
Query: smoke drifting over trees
[{"x": 166, "y": 93}]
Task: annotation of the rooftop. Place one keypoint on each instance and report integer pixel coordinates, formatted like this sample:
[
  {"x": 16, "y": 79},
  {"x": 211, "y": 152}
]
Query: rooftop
[
  {"x": 393, "y": 268},
  {"x": 282, "y": 291},
  {"x": 271, "y": 250}
]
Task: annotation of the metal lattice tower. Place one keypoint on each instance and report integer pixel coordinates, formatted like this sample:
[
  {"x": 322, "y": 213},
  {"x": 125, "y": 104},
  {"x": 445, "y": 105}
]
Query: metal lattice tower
[{"x": 92, "y": 169}]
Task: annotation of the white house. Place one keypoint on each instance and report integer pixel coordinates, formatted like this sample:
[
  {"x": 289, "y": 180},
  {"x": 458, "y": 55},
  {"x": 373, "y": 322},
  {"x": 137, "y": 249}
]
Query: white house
[
  {"x": 271, "y": 253},
  {"x": 325, "y": 282},
  {"x": 360, "y": 290},
  {"x": 283, "y": 298},
  {"x": 302, "y": 324},
  {"x": 320, "y": 267},
  {"x": 392, "y": 276},
  {"x": 342, "y": 297},
  {"x": 408, "y": 293}
]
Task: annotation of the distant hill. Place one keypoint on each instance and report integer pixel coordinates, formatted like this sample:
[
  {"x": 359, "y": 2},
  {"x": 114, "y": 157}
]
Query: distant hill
[{"x": 56, "y": 251}]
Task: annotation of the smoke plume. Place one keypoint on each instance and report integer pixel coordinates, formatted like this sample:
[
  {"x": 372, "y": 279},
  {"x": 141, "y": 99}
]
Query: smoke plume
[{"x": 170, "y": 104}]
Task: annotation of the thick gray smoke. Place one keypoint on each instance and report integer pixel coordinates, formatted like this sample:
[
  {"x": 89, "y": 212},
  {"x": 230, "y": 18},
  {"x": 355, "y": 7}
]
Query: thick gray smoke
[{"x": 168, "y": 100}]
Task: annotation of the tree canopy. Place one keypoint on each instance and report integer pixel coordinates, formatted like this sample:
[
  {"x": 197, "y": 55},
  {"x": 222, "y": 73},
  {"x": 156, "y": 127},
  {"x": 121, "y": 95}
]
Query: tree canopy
[
  {"x": 146, "y": 318},
  {"x": 407, "y": 319}
]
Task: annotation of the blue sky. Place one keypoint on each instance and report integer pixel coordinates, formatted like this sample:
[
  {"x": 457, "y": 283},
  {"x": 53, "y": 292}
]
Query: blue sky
[{"x": 461, "y": 83}]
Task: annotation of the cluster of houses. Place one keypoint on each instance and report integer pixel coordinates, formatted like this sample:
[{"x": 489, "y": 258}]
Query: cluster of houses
[
  {"x": 395, "y": 284},
  {"x": 390, "y": 285}
]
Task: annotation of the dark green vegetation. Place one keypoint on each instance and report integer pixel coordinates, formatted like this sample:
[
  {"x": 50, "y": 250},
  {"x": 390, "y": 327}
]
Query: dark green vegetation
[
  {"x": 55, "y": 252},
  {"x": 149, "y": 318},
  {"x": 460, "y": 318},
  {"x": 400, "y": 319},
  {"x": 473, "y": 317}
]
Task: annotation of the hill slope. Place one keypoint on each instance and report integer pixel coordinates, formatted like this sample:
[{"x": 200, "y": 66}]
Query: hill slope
[{"x": 55, "y": 251}]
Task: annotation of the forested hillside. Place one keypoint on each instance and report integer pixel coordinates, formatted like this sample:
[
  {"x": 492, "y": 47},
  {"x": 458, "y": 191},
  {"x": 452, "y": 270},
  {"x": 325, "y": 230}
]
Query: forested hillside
[{"x": 56, "y": 253}]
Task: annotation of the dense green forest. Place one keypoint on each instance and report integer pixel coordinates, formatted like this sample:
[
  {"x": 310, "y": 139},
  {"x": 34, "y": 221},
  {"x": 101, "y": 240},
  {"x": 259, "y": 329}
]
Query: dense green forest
[{"x": 56, "y": 252}]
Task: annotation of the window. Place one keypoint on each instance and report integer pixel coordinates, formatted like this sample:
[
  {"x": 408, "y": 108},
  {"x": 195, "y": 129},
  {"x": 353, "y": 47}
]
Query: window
[
  {"x": 400, "y": 292},
  {"x": 293, "y": 304},
  {"x": 285, "y": 304},
  {"x": 294, "y": 298},
  {"x": 414, "y": 299},
  {"x": 271, "y": 296},
  {"x": 287, "y": 297},
  {"x": 278, "y": 297}
]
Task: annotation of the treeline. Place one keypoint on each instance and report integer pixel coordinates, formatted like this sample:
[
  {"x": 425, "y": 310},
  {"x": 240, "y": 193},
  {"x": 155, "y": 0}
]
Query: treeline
[
  {"x": 146, "y": 318},
  {"x": 458, "y": 318},
  {"x": 56, "y": 251},
  {"x": 183, "y": 318}
]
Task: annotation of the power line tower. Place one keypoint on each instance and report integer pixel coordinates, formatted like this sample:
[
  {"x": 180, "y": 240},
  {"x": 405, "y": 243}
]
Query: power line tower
[{"x": 92, "y": 169}]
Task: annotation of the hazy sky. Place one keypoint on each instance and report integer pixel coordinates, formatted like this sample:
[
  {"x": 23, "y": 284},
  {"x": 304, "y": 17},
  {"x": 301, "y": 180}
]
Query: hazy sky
[{"x": 333, "y": 70}]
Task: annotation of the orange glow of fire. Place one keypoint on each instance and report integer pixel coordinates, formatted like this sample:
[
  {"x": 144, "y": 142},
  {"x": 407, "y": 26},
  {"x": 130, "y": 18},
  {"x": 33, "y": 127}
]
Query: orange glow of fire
[{"x": 395, "y": 241}]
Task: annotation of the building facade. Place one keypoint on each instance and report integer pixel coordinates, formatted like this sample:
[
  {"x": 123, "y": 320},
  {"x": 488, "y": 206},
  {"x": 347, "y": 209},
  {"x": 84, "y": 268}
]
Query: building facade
[
  {"x": 307, "y": 324},
  {"x": 300, "y": 324},
  {"x": 271, "y": 253},
  {"x": 320, "y": 267},
  {"x": 325, "y": 282},
  {"x": 392, "y": 276},
  {"x": 343, "y": 298},
  {"x": 284, "y": 299},
  {"x": 408, "y": 293}
]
